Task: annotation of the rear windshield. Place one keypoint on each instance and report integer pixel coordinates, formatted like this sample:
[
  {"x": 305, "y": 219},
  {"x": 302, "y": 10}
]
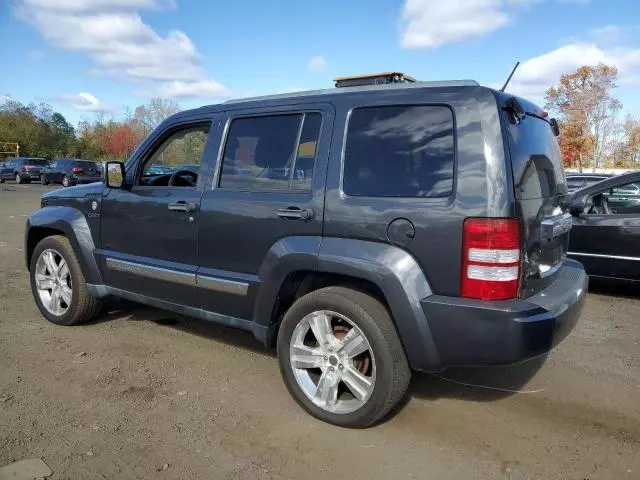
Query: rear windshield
[
  {"x": 37, "y": 161},
  {"x": 535, "y": 159},
  {"x": 85, "y": 164}
]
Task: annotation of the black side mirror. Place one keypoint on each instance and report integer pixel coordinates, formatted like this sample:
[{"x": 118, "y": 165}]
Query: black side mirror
[
  {"x": 576, "y": 207},
  {"x": 555, "y": 128},
  {"x": 114, "y": 174}
]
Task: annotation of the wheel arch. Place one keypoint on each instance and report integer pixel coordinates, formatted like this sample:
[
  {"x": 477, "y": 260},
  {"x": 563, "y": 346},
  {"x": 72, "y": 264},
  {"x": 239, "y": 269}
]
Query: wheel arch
[
  {"x": 386, "y": 272},
  {"x": 72, "y": 224}
]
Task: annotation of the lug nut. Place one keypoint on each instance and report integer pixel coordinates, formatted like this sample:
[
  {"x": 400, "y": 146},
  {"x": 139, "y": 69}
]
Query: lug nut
[{"x": 341, "y": 366}]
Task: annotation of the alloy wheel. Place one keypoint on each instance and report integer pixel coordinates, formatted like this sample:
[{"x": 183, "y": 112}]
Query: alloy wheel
[
  {"x": 53, "y": 282},
  {"x": 332, "y": 362}
]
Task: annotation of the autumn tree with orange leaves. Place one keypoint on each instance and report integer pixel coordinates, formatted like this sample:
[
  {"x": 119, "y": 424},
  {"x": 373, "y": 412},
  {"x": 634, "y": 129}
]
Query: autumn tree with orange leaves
[{"x": 587, "y": 111}]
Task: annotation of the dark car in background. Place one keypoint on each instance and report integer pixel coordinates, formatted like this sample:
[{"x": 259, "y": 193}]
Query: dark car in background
[
  {"x": 22, "y": 169},
  {"x": 71, "y": 171},
  {"x": 576, "y": 181},
  {"x": 606, "y": 228}
]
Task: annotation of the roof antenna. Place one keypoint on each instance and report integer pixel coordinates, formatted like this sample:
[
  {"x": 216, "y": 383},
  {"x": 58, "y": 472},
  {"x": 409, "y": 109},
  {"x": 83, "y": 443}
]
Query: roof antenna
[{"x": 509, "y": 79}]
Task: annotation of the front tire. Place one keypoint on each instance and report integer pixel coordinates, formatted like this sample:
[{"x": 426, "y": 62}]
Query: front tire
[
  {"x": 43, "y": 180},
  {"x": 58, "y": 285},
  {"x": 341, "y": 358}
]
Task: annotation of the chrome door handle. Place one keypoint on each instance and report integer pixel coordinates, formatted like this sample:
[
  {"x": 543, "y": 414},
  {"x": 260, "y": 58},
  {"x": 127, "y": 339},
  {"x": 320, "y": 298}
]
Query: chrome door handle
[
  {"x": 295, "y": 213},
  {"x": 182, "y": 206}
]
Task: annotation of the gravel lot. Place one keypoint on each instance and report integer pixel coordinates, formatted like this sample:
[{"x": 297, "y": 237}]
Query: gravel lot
[{"x": 141, "y": 393}]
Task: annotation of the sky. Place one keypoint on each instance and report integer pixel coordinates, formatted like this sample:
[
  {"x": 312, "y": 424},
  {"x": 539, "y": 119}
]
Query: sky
[{"x": 89, "y": 56}]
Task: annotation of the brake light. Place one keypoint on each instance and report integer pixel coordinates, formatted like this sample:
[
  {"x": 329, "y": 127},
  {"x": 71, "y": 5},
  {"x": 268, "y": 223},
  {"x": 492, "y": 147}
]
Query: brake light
[
  {"x": 24, "y": 168},
  {"x": 490, "y": 258},
  {"x": 76, "y": 170}
]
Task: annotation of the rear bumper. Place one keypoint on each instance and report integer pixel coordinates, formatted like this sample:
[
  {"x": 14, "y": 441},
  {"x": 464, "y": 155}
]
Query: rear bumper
[{"x": 474, "y": 332}]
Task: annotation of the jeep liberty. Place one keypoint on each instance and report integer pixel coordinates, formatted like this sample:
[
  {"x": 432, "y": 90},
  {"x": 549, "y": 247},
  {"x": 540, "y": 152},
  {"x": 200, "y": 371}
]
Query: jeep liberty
[{"x": 364, "y": 231}]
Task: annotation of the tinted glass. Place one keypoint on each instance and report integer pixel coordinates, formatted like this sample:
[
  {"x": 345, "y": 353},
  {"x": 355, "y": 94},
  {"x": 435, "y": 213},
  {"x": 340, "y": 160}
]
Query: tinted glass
[
  {"x": 399, "y": 151},
  {"x": 535, "y": 158},
  {"x": 86, "y": 165},
  {"x": 37, "y": 161},
  {"x": 265, "y": 153},
  {"x": 307, "y": 151}
]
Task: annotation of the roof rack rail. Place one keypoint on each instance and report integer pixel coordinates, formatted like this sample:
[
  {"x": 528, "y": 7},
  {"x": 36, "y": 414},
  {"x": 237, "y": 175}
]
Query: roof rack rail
[{"x": 361, "y": 88}]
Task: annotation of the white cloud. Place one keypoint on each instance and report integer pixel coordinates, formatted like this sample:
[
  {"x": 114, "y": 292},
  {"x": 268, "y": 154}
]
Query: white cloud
[
  {"x": 83, "y": 101},
  {"x": 113, "y": 35},
  {"x": 193, "y": 89},
  {"x": 317, "y": 65},
  {"x": 433, "y": 23},
  {"x": 430, "y": 24},
  {"x": 537, "y": 74}
]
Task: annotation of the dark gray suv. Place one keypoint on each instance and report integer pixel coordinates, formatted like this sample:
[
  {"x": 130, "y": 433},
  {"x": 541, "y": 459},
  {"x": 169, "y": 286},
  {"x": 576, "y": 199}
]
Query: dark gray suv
[{"x": 364, "y": 231}]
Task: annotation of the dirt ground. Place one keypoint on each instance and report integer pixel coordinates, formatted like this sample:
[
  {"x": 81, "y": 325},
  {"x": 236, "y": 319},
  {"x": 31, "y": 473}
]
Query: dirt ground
[{"x": 141, "y": 393}]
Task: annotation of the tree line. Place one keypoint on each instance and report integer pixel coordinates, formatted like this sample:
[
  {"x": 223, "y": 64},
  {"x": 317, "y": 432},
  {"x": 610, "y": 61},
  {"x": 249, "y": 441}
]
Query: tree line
[
  {"x": 41, "y": 132},
  {"x": 592, "y": 134}
]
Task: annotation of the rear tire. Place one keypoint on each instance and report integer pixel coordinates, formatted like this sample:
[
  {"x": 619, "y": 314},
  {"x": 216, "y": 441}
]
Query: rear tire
[
  {"x": 383, "y": 369},
  {"x": 65, "y": 181},
  {"x": 44, "y": 181},
  {"x": 82, "y": 306},
  {"x": 19, "y": 179}
]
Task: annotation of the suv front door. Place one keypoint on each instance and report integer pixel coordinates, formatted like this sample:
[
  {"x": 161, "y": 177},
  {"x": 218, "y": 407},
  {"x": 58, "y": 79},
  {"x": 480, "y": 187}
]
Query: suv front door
[
  {"x": 149, "y": 228},
  {"x": 268, "y": 189}
]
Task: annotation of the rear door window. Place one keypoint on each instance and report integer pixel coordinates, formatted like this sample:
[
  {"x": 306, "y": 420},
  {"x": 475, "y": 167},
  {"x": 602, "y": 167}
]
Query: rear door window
[
  {"x": 399, "y": 151},
  {"x": 271, "y": 152}
]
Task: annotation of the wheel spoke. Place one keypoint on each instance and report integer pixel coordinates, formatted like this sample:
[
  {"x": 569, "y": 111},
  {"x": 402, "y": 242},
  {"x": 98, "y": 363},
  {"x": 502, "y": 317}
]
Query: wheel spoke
[
  {"x": 359, "y": 385},
  {"x": 50, "y": 262},
  {"x": 54, "y": 301},
  {"x": 306, "y": 357},
  {"x": 63, "y": 269},
  {"x": 44, "y": 282},
  {"x": 353, "y": 344},
  {"x": 327, "y": 388},
  {"x": 65, "y": 294},
  {"x": 321, "y": 326}
]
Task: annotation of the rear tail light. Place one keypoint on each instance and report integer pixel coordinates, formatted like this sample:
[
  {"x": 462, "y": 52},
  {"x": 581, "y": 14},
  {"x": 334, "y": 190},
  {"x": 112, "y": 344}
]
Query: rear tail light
[
  {"x": 76, "y": 170},
  {"x": 490, "y": 258},
  {"x": 24, "y": 168}
]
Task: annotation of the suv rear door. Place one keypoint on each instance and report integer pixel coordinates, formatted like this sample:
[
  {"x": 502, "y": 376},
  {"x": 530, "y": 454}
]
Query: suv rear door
[
  {"x": 268, "y": 188},
  {"x": 539, "y": 188}
]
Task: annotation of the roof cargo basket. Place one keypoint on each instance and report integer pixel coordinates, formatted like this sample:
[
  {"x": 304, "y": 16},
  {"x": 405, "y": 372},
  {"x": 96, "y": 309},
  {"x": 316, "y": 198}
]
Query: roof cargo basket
[{"x": 373, "y": 79}]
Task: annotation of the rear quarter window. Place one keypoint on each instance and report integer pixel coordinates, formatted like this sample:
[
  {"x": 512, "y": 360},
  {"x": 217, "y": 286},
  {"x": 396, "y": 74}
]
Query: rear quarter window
[{"x": 399, "y": 151}]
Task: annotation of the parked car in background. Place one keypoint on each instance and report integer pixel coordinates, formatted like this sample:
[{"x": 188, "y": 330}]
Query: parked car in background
[
  {"x": 606, "y": 227},
  {"x": 71, "y": 171},
  {"x": 576, "y": 181},
  {"x": 22, "y": 169}
]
